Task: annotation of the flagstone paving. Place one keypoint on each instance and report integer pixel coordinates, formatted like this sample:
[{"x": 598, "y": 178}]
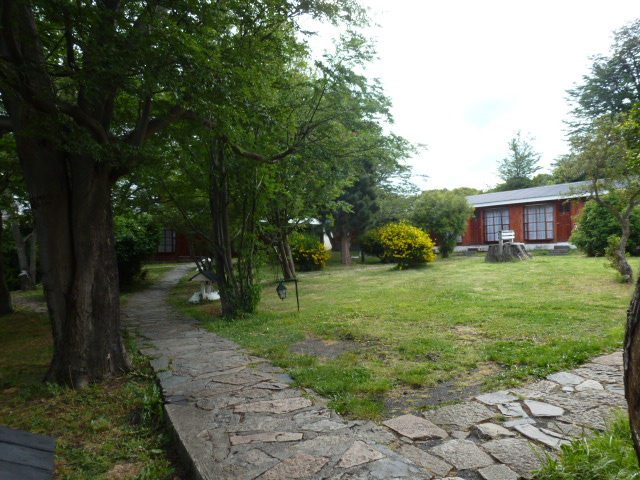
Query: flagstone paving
[{"x": 235, "y": 416}]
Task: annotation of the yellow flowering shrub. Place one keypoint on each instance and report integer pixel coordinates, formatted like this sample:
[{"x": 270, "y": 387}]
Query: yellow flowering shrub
[
  {"x": 405, "y": 244},
  {"x": 308, "y": 252}
]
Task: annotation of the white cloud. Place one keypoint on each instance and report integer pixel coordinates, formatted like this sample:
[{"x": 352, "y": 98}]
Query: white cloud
[{"x": 464, "y": 76}]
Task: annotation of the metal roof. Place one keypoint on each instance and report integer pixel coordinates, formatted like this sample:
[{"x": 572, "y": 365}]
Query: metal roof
[{"x": 535, "y": 194}]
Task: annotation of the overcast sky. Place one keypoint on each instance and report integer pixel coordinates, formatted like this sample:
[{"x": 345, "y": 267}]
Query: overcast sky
[{"x": 464, "y": 76}]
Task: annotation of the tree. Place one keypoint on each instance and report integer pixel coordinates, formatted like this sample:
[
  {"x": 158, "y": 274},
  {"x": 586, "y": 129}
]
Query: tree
[
  {"x": 613, "y": 86},
  {"x": 444, "y": 215},
  {"x": 596, "y": 224},
  {"x": 84, "y": 87},
  {"x": 601, "y": 155},
  {"x": 518, "y": 168}
]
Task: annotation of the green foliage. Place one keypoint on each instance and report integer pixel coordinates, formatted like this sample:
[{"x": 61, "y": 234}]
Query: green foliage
[
  {"x": 403, "y": 244},
  {"x": 443, "y": 214},
  {"x": 308, "y": 252},
  {"x": 611, "y": 87},
  {"x": 609, "y": 455},
  {"x": 371, "y": 243},
  {"x": 137, "y": 239},
  {"x": 519, "y": 167},
  {"x": 596, "y": 224}
]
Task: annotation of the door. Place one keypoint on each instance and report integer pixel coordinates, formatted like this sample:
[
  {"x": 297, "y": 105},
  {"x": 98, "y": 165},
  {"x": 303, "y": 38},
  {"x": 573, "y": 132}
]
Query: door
[{"x": 563, "y": 221}]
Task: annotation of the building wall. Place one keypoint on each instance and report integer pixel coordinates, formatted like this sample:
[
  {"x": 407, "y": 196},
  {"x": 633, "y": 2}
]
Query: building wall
[
  {"x": 177, "y": 251},
  {"x": 564, "y": 222}
]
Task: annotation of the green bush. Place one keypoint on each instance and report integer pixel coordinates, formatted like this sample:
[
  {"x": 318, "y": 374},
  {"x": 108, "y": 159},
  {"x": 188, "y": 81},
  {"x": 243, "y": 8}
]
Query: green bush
[
  {"x": 596, "y": 224},
  {"x": 371, "y": 243},
  {"x": 401, "y": 243},
  {"x": 137, "y": 239},
  {"x": 308, "y": 252}
]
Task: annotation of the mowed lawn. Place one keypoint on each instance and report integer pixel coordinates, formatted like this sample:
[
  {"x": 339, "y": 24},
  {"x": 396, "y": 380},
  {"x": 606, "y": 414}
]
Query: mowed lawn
[{"x": 460, "y": 320}]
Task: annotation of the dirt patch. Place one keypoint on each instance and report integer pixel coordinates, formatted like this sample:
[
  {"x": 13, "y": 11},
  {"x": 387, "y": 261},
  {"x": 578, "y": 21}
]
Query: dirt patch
[
  {"x": 409, "y": 399},
  {"x": 324, "y": 348}
]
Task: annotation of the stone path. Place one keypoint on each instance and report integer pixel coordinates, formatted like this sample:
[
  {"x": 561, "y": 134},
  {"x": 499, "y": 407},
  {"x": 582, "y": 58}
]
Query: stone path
[{"x": 236, "y": 417}]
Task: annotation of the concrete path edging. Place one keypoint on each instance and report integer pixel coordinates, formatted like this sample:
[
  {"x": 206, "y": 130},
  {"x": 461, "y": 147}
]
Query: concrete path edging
[{"x": 235, "y": 416}]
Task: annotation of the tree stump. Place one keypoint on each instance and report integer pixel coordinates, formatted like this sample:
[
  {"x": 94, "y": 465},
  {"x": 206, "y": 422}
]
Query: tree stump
[{"x": 507, "y": 252}]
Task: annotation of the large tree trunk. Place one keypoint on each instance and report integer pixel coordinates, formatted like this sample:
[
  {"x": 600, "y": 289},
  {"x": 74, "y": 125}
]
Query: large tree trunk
[
  {"x": 5, "y": 297},
  {"x": 345, "y": 248},
  {"x": 71, "y": 201},
  {"x": 632, "y": 367}
]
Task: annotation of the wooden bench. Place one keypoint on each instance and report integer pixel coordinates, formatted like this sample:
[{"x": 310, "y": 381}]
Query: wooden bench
[{"x": 25, "y": 455}]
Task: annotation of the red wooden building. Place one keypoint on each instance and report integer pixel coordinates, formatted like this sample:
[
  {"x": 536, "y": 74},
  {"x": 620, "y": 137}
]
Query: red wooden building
[
  {"x": 174, "y": 247},
  {"x": 541, "y": 216}
]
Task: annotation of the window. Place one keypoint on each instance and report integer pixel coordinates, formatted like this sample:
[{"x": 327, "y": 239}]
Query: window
[
  {"x": 538, "y": 222},
  {"x": 564, "y": 208},
  {"x": 167, "y": 242},
  {"x": 495, "y": 220}
]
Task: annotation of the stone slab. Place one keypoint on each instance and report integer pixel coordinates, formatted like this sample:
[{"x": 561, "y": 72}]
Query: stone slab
[
  {"x": 461, "y": 415},
  {"x": 595, "y": 418},
  {"x": 538, "y": 435},
  {"x": 425, "y": 460},
  {"x": 495, "y": 398},
  {"x": 462, "y": 454},
  {"x": 274, "y": 406},
  {"x": 415, "y": 428},
  {"x": 265, "y": 437},
  {"x": 498, "y": 472},
  {"x": 520, "y": 421},
  {"x": 512, "y": 409},
  {"x": 492, "y": 431},
  {"x": 359, "y": 453},
  {"x": 613, "y": 359},
  {"x": 589, "y": 385},
  {"x": 542, "y": 409},
  {"x": 299, "y": 465},
  {"x": 601, "y": 373},
  {"x": 565, "y": 378},
  {"x": 517, "y": 453}
]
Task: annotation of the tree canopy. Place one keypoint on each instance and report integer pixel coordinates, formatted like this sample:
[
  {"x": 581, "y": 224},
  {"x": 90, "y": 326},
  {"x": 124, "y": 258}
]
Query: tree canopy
[
  {"x": 518, "y": 168},
  {"x": 93, "y": 91},
  {"x": 443, "y": 214}
]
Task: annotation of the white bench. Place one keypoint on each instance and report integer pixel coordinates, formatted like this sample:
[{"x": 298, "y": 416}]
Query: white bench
[{"x": 506, "y": 236}]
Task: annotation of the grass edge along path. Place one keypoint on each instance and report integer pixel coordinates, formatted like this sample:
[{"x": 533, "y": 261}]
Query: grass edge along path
[
  {"x": 458, "y": 320},
  {"x": 106, "y": 431}
]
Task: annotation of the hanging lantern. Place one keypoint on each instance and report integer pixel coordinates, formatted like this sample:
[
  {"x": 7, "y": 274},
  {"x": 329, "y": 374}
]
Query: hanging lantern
[{"x": 282, "y": 290}]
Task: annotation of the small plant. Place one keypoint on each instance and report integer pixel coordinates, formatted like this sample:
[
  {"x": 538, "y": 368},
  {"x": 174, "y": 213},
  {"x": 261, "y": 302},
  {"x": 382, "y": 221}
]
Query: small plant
[
  {"x": 308, "y": 252},
  {"x": 405, "y": 244}
]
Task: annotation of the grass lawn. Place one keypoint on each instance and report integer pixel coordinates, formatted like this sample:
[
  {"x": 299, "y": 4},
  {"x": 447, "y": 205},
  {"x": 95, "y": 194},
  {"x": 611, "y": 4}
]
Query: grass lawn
[
  {"x": 407, "y": 336},
  {"x": 111, "y": 430}
]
